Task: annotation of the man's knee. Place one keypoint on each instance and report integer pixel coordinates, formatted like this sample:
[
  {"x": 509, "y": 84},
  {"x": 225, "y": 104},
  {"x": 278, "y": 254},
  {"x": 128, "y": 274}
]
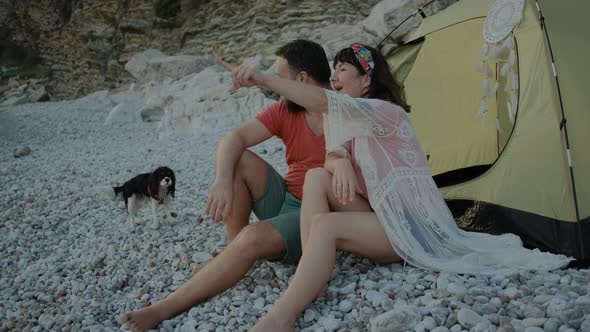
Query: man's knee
[
  {"x": 259, "y": 240},
  {"x": 253, "y": 172},
  {"x": 249, "y": 162}
]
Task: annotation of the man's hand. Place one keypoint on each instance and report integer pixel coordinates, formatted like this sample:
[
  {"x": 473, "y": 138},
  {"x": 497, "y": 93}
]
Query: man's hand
[
  {"x": 220, "y": 200},
  {"x": 242, "y": 76},
  {"x": 344, "y": 182}
]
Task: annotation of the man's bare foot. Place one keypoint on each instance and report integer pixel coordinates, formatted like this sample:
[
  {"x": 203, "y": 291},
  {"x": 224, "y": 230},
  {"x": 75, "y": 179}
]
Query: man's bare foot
[
  {"x": 142, "y": 320},
  {"x": 268, "y": 324}
]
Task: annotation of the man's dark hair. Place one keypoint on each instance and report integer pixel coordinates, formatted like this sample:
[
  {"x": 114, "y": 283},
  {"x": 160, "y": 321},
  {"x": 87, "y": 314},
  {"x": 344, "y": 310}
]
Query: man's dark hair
[{"x": 307, "y": 56}]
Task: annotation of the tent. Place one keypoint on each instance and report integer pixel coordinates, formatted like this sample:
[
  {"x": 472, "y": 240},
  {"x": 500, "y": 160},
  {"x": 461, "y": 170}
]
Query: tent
[{"x": 528, "y": 167}]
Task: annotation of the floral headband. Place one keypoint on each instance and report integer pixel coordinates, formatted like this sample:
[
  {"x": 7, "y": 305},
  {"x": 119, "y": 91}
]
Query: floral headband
[{"x": 364, "y": 56}]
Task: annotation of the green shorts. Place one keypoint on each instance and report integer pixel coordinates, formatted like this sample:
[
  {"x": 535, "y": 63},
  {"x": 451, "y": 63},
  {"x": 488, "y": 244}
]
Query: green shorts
[{"x": 281, "y": 209}]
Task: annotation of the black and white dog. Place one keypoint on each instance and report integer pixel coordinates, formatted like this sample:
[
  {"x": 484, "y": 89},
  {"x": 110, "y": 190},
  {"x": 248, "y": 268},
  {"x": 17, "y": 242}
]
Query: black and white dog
[{"x": 157, "y": 187}]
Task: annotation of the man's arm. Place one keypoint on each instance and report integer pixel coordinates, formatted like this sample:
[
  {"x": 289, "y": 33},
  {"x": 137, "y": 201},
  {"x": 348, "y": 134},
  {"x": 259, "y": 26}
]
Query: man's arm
[
  {"x": 233, "y": 145},
  {"x": 230, "y": 149}
]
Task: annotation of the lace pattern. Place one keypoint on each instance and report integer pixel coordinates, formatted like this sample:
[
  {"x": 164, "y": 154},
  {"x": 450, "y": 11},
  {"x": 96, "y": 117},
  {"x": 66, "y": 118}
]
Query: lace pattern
[{"x": 416, "y": 219}]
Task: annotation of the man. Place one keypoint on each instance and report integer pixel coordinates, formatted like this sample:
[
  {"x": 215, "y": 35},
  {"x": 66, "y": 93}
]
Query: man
[{"x": 244, "y": 182}]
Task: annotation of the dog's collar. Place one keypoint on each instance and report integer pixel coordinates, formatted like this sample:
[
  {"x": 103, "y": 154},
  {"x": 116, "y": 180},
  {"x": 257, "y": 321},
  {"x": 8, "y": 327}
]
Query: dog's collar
[{"x": 154, "y": 196}]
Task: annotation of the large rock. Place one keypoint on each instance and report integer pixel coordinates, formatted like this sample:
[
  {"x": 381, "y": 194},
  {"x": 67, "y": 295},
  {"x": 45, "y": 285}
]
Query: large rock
[
  {"x": 198, "y": 103},
  {"x": 152, "y": 65}
]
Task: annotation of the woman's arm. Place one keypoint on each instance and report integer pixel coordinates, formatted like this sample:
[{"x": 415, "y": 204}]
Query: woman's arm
[
  {"x": 312, "y": 98},
  {"x": 332, "y": 157},
  {"x": 344, "y": 182},
  {"x": 330, "y": 163}
]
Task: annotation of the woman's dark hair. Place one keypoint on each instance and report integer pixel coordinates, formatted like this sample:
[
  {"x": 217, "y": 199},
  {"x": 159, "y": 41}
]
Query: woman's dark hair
[
  {"x": 383, "y": 86},
  {"x": 305, "y": 55}
]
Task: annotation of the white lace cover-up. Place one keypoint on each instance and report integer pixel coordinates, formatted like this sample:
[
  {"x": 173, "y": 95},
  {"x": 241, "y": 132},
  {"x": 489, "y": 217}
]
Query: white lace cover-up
[{"x": 406, "y": 200}]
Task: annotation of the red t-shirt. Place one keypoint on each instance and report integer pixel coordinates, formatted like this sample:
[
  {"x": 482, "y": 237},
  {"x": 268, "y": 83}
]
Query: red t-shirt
[{"x": 304, "y": 149}]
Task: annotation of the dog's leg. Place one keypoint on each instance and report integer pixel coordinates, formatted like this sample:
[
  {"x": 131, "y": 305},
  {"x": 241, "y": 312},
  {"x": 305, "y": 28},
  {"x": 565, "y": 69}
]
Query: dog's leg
[
  {"x": 169, "y": 217},
  {"x": 156, "y": 223},
  {"x": 131, "y": 210}
]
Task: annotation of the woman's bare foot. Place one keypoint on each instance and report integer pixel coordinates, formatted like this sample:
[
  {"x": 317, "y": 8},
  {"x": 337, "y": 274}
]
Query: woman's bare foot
[
  {"x": 199, "y": 267},
  {"x": 202, "y": 265},
  {"x": 267, "y": 323},
  {"x": 143, "y": 320},
  {"x": 323, "y": 292}
]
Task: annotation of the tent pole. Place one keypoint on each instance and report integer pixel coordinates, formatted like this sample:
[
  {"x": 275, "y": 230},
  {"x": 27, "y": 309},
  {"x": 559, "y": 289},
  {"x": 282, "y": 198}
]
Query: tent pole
[
  {"x": 418, "y": 11},
  {"x": 563, "y": 125}
]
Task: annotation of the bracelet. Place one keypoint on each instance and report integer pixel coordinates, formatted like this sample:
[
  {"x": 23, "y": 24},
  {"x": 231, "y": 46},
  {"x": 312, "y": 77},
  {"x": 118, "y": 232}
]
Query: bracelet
[{"x": 342, "y": 152}]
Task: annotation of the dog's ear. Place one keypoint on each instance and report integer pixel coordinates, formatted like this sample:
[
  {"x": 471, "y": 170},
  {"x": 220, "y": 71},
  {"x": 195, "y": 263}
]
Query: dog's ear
[
  {"x": 173, "y": 186},
  {"x": 154, "y": 183}
]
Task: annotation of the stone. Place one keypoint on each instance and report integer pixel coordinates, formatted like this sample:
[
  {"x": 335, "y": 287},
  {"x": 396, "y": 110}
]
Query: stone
[
  {"x": 22, "y": 151},
  {"x": 309, "y": 315},
  {"x": 552, "y": 325},
  {"x": 440, "y": 329},
  {"x": 451, "y": 320},
  {"x": 468, "y": 318},
  {"x": 400, "y": 319},
  {"x": 533, "y": 311},
  {"x": 534, "y": 322},
  {"x": 485, "y": 309},
  {"x": 457, "y": 290},
  {"x": 556, "y": 308},
  {"x": 345, "y": 306},
  {"x": 46, "y": 321},
  {"x": 329, "y": 323},
  {"x": 429, "y": 323},
  {"x": 439, "y": 315}
]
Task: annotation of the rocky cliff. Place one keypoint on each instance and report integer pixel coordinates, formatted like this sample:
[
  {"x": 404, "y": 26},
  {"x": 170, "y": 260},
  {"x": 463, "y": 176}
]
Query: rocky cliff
[
  {"x": 85, "y": 43},
  {"x": 81, "y": 46}
]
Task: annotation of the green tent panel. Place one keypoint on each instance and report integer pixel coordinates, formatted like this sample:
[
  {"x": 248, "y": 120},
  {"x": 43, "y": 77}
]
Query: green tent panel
[{"x": 532, "y": 177}]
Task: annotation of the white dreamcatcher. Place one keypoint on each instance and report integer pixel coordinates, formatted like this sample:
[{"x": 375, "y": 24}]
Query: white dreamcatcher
[{"x": 500, "y": 47}]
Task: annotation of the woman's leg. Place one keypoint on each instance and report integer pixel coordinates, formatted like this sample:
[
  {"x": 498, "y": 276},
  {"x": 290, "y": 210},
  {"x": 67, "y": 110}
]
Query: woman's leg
[
  {"x": 256, "y": 241},
  {"x": 318, "y": 198},
  {"x": 357, "y": 232}
]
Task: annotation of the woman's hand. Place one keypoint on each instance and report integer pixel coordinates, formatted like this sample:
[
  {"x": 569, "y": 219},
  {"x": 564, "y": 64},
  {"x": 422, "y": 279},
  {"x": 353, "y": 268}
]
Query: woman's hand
[
  {"x": 344, "y": 182},
  {"x": 310, "y": 95},
  {"x": 242, "y": 76}
]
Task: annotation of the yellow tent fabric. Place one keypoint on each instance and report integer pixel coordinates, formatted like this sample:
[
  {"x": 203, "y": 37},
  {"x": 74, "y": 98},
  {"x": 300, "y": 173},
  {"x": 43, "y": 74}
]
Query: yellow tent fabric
[
  {"x": 444, "y": 117},
  {"x": 569, "y": 33},
  {"x": 444, "y": 89},
  {"x": 516, "y": 180},
  {"x": 529, "y": 172}
]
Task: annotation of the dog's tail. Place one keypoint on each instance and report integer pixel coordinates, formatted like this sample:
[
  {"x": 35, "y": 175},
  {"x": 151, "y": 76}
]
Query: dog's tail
[{"x": 106, "y": 192}]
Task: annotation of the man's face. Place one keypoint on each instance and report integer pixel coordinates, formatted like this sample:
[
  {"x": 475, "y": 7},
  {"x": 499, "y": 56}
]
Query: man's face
[{"x": 284, "y": 71}]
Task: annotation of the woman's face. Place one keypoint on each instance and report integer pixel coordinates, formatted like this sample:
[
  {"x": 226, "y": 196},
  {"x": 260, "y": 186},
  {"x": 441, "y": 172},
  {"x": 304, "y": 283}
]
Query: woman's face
[{"x": 347, "y": 80}]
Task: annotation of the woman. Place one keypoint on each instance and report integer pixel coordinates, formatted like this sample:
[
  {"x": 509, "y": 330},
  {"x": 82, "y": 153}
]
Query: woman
[{"x": 378, "y": 183}]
